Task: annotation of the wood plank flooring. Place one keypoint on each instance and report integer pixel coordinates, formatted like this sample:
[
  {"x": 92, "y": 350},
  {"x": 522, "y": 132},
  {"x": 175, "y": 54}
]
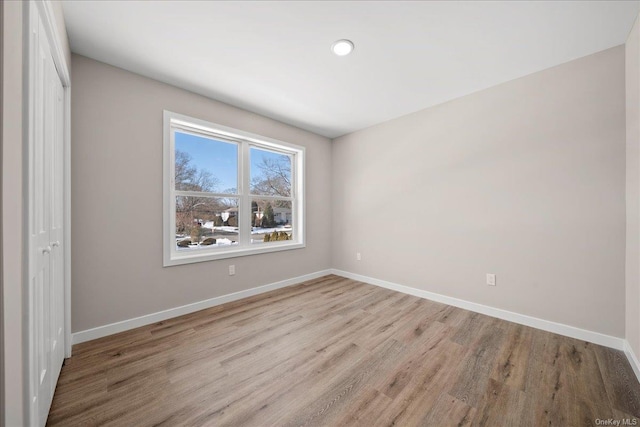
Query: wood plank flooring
[{"x": 337, "y": 352}]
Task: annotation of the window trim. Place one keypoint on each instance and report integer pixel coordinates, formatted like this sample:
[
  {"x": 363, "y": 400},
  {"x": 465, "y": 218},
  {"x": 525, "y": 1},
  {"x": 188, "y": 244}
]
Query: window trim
[{"x": 245, "y": 140}]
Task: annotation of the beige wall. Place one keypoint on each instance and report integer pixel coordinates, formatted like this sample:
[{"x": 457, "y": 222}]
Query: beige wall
[
  {"x": 2, "y": 385},
  {"x": 116, "y": 176},
  {"x": 12, "y": 262},
  {"x": 525, "y": 180},
  {"x": 632, "y": 74}
]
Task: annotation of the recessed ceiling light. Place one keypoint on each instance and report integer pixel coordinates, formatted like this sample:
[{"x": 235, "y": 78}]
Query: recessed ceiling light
[{"x": 342, "y": 47}]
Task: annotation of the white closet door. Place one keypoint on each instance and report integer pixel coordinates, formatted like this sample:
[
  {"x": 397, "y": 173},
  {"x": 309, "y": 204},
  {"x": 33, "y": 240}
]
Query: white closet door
[
  {"x": 46, "y": 293},
  {"x": 56, "y": 233},
  {"x": 41, "y": 214}
]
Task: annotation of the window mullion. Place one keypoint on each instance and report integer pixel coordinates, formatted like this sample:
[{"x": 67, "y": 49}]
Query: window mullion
[
  {"x": 169, "y": 192},
  {"x": 269, "y": 197},
  {"x": 205, "y": 194},
  {"x": 244, "y": 220}
]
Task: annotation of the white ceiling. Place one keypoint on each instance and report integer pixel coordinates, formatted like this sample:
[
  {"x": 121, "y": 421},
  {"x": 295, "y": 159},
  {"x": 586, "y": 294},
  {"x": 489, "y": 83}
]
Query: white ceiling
[{"x": 274, "y": 58}]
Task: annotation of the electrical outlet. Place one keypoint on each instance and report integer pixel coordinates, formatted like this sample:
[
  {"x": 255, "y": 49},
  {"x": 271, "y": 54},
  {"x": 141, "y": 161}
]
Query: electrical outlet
[
  {"x": 491, "y": 279},
  {"x": 358, "y": 256},
  {"x": 232, "y": 270}
]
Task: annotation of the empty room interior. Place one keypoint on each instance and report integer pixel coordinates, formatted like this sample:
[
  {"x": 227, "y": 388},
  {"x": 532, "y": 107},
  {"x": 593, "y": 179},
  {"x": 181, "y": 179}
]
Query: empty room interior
[{"x": 239, "y": 213}]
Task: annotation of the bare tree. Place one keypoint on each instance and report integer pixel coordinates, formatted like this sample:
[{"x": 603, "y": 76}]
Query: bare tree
[
  {"x": 184, "y": 170},
  {"x": 190, "y": 209},
  {"x": 275, "y": 177},
  {"x": 229, "y": 202},
  {"x": 189, "y": 178}
]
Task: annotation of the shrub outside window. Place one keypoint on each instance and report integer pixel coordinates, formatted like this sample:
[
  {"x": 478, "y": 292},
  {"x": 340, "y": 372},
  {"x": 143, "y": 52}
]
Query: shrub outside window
[{"x": 228, "y": 193}]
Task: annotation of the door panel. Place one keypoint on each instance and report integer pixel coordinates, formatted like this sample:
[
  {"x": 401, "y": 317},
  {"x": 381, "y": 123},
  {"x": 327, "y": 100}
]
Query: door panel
[
  {"x": 41, "y": 210},
  {"x": 56, "y": 223},
  {"x": 46, "y": 213}
]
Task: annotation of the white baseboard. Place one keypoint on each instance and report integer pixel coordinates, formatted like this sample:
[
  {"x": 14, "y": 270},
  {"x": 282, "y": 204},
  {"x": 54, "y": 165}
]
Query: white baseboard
[
  {"x": 633, "y": 359},
  {"x": 534, "y": 322},
  {"x": 546, "y": 325},
  {"x": 114, "y": 328}
]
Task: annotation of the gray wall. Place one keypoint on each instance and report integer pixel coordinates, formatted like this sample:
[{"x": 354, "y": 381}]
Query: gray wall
[
  {"x": 12, "y": 262},
  {"x": 632, "y": 75},
  {"x": 525, "y": 180},
  {"x": 2, "y": 385},
  {"x": 116, "y": 179}
]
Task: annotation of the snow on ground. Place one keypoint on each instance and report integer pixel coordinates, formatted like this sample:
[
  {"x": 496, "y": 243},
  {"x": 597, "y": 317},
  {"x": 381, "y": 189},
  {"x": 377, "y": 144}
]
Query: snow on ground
[
  {"x": 223, "y": 241},
  {"x": 254, "y": 230},
  {"x": 225, "y": 228},
  {"x": 219, "y": 242},
  {"x": 258, "y": 230}
]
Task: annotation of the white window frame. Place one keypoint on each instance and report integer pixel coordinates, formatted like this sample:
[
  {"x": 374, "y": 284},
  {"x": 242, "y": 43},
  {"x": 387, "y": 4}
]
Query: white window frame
[{"x": 245, "y": 140}]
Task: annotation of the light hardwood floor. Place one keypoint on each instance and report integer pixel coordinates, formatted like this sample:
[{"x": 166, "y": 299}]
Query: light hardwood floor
[{"x": 337, "y": 352}]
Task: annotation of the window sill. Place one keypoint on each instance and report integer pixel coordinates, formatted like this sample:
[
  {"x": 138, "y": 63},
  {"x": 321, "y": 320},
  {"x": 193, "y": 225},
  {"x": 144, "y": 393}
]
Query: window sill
[{"x": 211, "y": 255}]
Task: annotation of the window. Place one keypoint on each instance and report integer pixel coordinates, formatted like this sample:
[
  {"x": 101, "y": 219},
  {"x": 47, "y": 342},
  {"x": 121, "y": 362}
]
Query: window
[{"x": 228, "y": 193}]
